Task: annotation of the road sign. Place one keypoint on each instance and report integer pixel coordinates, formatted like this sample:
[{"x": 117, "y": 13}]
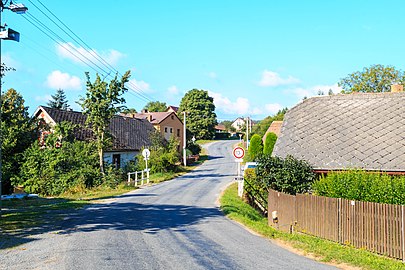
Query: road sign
[
  {"x": 146, "y": 153},
  {"x": 238, "y": 152}
]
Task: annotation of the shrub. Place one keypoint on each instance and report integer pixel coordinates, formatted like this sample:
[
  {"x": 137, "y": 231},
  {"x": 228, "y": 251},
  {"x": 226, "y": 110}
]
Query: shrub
[
  {"x": 52, "y": 171},
  {"x": 163, "y": 157},
  {"x": 362, "y": 186},
  {"x": 255, "y": 147},
  {"x": 195, "y": 148},
  {"x": 269, "y": 143},
  {"x": 288, "y": 175}
]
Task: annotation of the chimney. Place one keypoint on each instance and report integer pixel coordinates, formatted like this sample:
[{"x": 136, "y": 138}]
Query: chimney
[
  {"x": 396, "y": 88},
  {"x": 149, "y": 117}
]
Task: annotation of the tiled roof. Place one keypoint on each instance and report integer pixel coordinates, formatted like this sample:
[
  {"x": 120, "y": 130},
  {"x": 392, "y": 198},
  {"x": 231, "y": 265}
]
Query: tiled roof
[
  {"x": 128, "y": 133},
  {"x": 157, "y": 117},
  {"x": 220, "y": 127},
  {"x": 275, "y": 127},
  {"x": 364, "y": 131},
  {"x": 173, "y": 108}
]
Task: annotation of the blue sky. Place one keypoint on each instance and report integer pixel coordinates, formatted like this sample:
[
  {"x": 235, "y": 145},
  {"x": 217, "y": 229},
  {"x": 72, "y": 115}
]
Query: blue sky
[{"x": 254, "y": 57}]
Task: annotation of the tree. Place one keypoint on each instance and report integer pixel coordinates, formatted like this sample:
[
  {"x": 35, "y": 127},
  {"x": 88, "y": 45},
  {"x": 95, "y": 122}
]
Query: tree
[
  {"x": 155, "y": 106},
  {"x": 129, "y": 111},
  {"x": 255, "y": 147},
  {"x": 59, "y": 100},
  {"x": 4, "y": 69},
  {"x": 201, "y": 117},
  {"x": 269, "y": 143},
  {"x": 376, "y": 78},
  {"x": 17, "y": 131},
  {"x": 264, "y": 125},
  {"x": 102, "y": 102}
]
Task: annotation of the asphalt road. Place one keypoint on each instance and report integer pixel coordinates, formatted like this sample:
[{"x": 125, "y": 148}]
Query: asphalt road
[{"x": 173, "y": 225}]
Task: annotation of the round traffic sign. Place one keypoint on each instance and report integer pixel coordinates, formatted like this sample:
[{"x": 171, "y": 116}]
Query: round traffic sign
[
  {"x": 146, "y": 153},
  {"x": 238, "y": 152}
]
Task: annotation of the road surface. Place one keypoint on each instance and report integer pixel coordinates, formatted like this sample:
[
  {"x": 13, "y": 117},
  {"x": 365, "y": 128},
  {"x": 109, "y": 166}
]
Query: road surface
[{"x": 173, "y": 225}]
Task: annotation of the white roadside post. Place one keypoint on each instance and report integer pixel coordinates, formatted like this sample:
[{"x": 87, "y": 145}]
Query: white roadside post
[
  {"x": 239, "y": 153},
  {"x": 146, "y": 155}
]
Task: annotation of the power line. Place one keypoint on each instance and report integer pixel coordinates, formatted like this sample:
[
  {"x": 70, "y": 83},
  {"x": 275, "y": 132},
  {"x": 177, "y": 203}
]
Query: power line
[{"x": 136, "y": 89}]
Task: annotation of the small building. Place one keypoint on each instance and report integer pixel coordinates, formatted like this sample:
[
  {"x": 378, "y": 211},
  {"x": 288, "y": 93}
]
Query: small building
[
  {"x": 167, "y": 123},
  {"x": 239, "y": 123},
  {"x": 129, "y": 134},
  {"x": 353, "y": 131},
  {"x": 220, "y": 128}
]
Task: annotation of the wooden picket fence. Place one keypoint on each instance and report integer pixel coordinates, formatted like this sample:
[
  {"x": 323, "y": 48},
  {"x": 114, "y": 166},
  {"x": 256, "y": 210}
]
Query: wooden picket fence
[{"x": 376, "y": 227}]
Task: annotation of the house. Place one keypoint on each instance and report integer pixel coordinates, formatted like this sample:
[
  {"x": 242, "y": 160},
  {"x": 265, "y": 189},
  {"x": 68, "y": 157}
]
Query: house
[
  {"x": 172, "y": 109},
  {"x": 220, "y": 128},
  {"x": 239, "y": 123},
  {"x": 275, "y": 127},
  {"x": 167, "y": 123},
  {"x": 129, "y": 134},
  {"x": 338, "y": 132}
]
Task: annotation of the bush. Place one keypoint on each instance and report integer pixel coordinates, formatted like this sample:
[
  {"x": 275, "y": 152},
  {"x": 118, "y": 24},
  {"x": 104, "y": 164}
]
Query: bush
[
  {"x": 362, "y": 186},
  {"x": 195, "y": 148},
  {"x": 288, "y": 175},
  {"x": 52, "y": 171},
  {"x": 163, "y": 157},
  {"x": 255, "y": 148},
  {"x": 269, "y": 143}
]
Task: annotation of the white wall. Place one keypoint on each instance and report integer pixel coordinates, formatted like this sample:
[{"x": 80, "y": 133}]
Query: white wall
[{"x": 125, "y": 156}]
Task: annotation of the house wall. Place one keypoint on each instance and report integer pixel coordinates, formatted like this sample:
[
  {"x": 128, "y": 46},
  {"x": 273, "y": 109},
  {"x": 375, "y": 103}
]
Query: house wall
[
  {"x": 238, "y": 123},
  {"x": 172, "y": 126},
  {"x": 125, "y": 157}
]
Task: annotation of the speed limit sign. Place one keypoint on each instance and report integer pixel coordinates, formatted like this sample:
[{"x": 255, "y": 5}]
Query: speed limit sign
[{"x": 238, "y": 152}]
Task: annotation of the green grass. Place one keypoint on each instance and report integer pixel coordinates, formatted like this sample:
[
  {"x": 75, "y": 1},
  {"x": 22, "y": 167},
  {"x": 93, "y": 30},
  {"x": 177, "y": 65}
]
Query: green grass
[{"x": 322, "y": 250}]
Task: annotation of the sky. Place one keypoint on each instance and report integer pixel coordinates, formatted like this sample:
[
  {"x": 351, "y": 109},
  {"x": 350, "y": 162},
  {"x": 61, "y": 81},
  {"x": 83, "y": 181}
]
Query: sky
[{"x": 253, "y": 57}]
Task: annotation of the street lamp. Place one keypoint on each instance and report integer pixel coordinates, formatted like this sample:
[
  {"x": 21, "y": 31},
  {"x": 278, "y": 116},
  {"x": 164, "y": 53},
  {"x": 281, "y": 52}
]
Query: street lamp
[{"x": 7, "y": 34}]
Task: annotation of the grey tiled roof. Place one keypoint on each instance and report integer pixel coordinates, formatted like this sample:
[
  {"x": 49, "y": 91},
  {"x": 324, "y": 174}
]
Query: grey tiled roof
[
  {"x": 128, "y": 133},
  {"x": 335, "y": 132}
]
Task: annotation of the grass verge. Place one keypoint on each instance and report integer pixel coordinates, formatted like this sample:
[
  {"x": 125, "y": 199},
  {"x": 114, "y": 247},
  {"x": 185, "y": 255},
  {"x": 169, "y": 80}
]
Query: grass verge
[{"x": 320, "y": 249}]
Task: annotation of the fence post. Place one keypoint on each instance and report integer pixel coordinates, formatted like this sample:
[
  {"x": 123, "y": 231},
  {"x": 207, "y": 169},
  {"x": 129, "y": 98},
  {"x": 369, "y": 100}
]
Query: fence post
[
  {"x": 142, "y": 177},
  {"x": 129, "y": 179},
  {"x": 136, "y": 178},
  {"x": 402, "y": 234},
  {"x": 147, "y": 176},
  {"x": 339, "y": 225}
]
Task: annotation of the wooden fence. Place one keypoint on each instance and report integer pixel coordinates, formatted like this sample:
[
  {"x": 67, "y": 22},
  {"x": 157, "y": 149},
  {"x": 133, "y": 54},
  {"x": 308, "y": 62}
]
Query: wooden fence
[{"x": 372, "y": 226}]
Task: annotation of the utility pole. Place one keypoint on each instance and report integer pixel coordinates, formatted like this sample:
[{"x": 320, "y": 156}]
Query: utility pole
[
  {"x": 8, "y": 34},
  {"x": 184, "y": 140},
  {"x": 247, "y": 132}
]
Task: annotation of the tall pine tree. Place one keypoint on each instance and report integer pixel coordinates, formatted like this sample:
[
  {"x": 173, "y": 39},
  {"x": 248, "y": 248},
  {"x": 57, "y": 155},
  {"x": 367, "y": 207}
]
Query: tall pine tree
[{"x": 59, "y": 100}]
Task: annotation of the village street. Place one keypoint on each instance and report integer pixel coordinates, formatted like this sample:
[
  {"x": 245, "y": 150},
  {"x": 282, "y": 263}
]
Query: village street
[{"x": 173, "y": 225}]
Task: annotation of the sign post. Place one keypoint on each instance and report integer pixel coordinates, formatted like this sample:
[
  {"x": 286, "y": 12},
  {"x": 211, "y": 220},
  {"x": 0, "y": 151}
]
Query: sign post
[
  {"x": 146, "y": 155},
  {"x": 239, "y": 153}
]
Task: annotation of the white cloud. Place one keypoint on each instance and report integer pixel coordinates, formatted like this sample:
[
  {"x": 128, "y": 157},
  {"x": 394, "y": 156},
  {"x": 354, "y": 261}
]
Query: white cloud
[
  {"x": 79, "y": 54},
  {"x": 271, "y": 78},
  {"x": 140, "y": 85},
  {"x": 241, "y": 106},
  {"x": 273, "y": 108},
  {"x": 173, "y": 90},
  {"x": 65, "y": 81},
  {"x": 313, "y": 91}
]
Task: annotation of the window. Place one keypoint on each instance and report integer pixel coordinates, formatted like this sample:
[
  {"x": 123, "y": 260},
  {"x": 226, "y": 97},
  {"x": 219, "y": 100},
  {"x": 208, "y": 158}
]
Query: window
[
  {"x": 178, "y": 132},
  {"x": 171, "y": 130},
  {"x": 116, "y": 160},
  {"x": 166, "y": 129},
  {"x": 172, "y": 117}
]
